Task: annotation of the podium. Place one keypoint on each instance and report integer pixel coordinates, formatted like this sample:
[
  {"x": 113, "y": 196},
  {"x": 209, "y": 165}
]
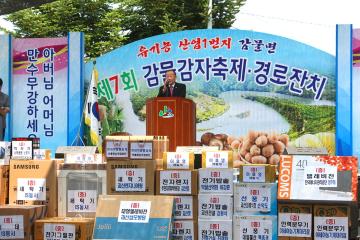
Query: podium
[{"x": 174, "y": 117}]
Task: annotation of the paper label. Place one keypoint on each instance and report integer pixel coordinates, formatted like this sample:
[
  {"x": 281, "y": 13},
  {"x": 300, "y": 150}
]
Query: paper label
[
  {"x": 11, "y": 227},
  {"x": 216, "y": 181},
  {"x": 255, "y": 229},
  {"x": 331, "y": 228},
  {"x": 184, "y": 207},
  {"x": 130, "y": 180},
  {"x": 217, "y": 160},
  {"x": 176, "y": 160},
  {"x": 53, "y": 231},
  {"x": 215, "y": 207},
  {"x": 215, "y": 230},
  {"x": 294, "y": 225},
  {"x": 31, "y": 189},
  {"x": 183, "y": 230},
  {"x": 82, "y": 200},
  {"x": 175, "y": 182},
  {"x": 252, "y": 198},
  {"x": 117, "y": 149},
  {"x": 320, "y": 176},
  {"x": 21, "y": 149},
  {"x": 253, "y": 174},
  {"x": 141, "y": 150},
  {"x": 134, "y": 211}
]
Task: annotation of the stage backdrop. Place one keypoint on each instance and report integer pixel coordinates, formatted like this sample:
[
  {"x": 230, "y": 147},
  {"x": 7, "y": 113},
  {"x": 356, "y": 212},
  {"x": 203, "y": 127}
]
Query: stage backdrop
[
  {"x": 45, "y": 83},
  {"x": 239, "y": 80}
]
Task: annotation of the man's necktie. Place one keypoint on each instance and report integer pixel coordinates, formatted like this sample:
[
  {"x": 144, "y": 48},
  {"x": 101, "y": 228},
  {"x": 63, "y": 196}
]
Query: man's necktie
[{"x": 171, "y": 90}]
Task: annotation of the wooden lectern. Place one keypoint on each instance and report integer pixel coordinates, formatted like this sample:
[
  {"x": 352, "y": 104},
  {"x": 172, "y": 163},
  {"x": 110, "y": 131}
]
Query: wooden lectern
[{"x": 174, "y": 117}]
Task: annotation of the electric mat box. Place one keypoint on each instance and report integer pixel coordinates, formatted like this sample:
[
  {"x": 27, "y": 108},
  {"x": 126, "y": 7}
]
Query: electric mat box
[
  {"x": 216, "y": 181},
  {"x": 255, "y": 227},
  {"x": 33, "y": 182},
  {"x": 64, "y": 228},
  {"x": 133, "y": 217},
  {"x": 17, "y": 221},
  {"x": 130, "y": 177},
  {"x": 215, "y": 207},
  {"x": 215, "y": 229}
]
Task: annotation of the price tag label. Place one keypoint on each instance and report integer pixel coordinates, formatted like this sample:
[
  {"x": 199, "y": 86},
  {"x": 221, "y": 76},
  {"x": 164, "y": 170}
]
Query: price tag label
[
  {"x": 130, "y": 180},
  {"x": 217, "y": 160},
  {"x": 31, "y": 189},
  {"x": 12, "y": 227},
  {"x": 82, "y": 200},
  {"x": 134, "y": 211},
  {"x": 61, "y": 231},
  {"x": 176, "y": 160},
  {"x": 254, "y": 174}
]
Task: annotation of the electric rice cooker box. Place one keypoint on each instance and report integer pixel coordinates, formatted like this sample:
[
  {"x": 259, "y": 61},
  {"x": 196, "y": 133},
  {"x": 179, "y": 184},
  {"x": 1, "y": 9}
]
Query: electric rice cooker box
[
  {"x": 215, "y": 229},
  {"x": 216, "y": 181},
  {"x": 215, "y": 206},
  {"x": 295, "y": 222},
  {"x": 184, "y": 230},
  {"x": 331, "y": 222},
  {"x": 130, "y": 177},
  {"x": 330, "y": 178},
  {"x": 34, "y": 182},
  {"x": 17, "y": 221},
  {"x": 133, "y": 217},
  {"x": 255, "y": 227}
]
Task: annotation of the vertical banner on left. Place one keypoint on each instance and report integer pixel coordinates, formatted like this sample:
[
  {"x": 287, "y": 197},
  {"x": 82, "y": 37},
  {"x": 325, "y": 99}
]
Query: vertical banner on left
[{"x": 39, "y": 87}]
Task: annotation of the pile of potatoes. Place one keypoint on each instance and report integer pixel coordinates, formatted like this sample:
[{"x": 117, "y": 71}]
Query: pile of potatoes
[{"x": 256, "y": 147}]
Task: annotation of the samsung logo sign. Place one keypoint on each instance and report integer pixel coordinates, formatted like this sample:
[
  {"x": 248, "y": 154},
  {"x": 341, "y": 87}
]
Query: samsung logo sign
[{"x": 26, "y": 166}]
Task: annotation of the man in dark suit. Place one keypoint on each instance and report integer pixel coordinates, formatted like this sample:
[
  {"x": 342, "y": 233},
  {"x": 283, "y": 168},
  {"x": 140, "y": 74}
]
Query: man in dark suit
[{"x": 171, "y": 88}]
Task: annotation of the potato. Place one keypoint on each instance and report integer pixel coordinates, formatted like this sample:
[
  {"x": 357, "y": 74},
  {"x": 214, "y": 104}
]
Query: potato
[
  {"x": 246, "y": 145},
  {"x": 252, "y": 135},
  {"x": 274, "y": 159},
  {"x": 261, "y": 141},
  {"x": 255, "y": 150},
  {"x": 284, "y": 138},
  {"x": 279, "y": 147},
  {"x": 272, "y": 138},
  {"x": 243, "y": 152},
  {"x": 268, "y": 150},
  {"x": 248, "y": 157},
  {"x": 259, "y": 159},
  {"x": 235, "y": 144}
]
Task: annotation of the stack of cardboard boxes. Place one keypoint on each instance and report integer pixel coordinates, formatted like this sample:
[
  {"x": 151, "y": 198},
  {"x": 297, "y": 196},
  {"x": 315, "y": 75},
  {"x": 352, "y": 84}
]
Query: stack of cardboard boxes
[
  {"x": 255, "y": 203},
  {"x": 215, "y": 196},
  {"x": 179, "y": 179}
]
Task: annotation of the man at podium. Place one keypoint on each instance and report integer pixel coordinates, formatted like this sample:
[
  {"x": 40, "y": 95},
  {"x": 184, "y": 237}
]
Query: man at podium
[{"x": 171, "y": 88}]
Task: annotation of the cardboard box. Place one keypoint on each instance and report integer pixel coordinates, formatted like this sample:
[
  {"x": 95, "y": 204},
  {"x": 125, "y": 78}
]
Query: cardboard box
[
  {"x": 294, "y": 222},
  {"x": 178, "y": 161},
  {"x": 257, "y": 173},
  {"x": 184, "y": 229},
  {"x": 217, "y": 159},
  {"x": 130, "y": 177},
  {"x": 176, "y": 182},
  {"x": 216, "y": 181},
  {"x": 64, "y": 228},
  {"x": 331, "y": 222},
  {"x": 160, "y": 144},
  {"x": 185, "y": 207},
  {"x": 4, "y": 184},
  {"x": 255, "y": 199},
  {"x": 324, "y": 177},
  {"x": 215, "y": 229},
  {"x": 133, "y": 217},
  {"x": 215, "y": 207},
  {"x": 33, "y": 182},
  {"x": 17, "y": 222},
  {"x": 255, "y": 227},
  {"x": 79, "y": 186}
]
